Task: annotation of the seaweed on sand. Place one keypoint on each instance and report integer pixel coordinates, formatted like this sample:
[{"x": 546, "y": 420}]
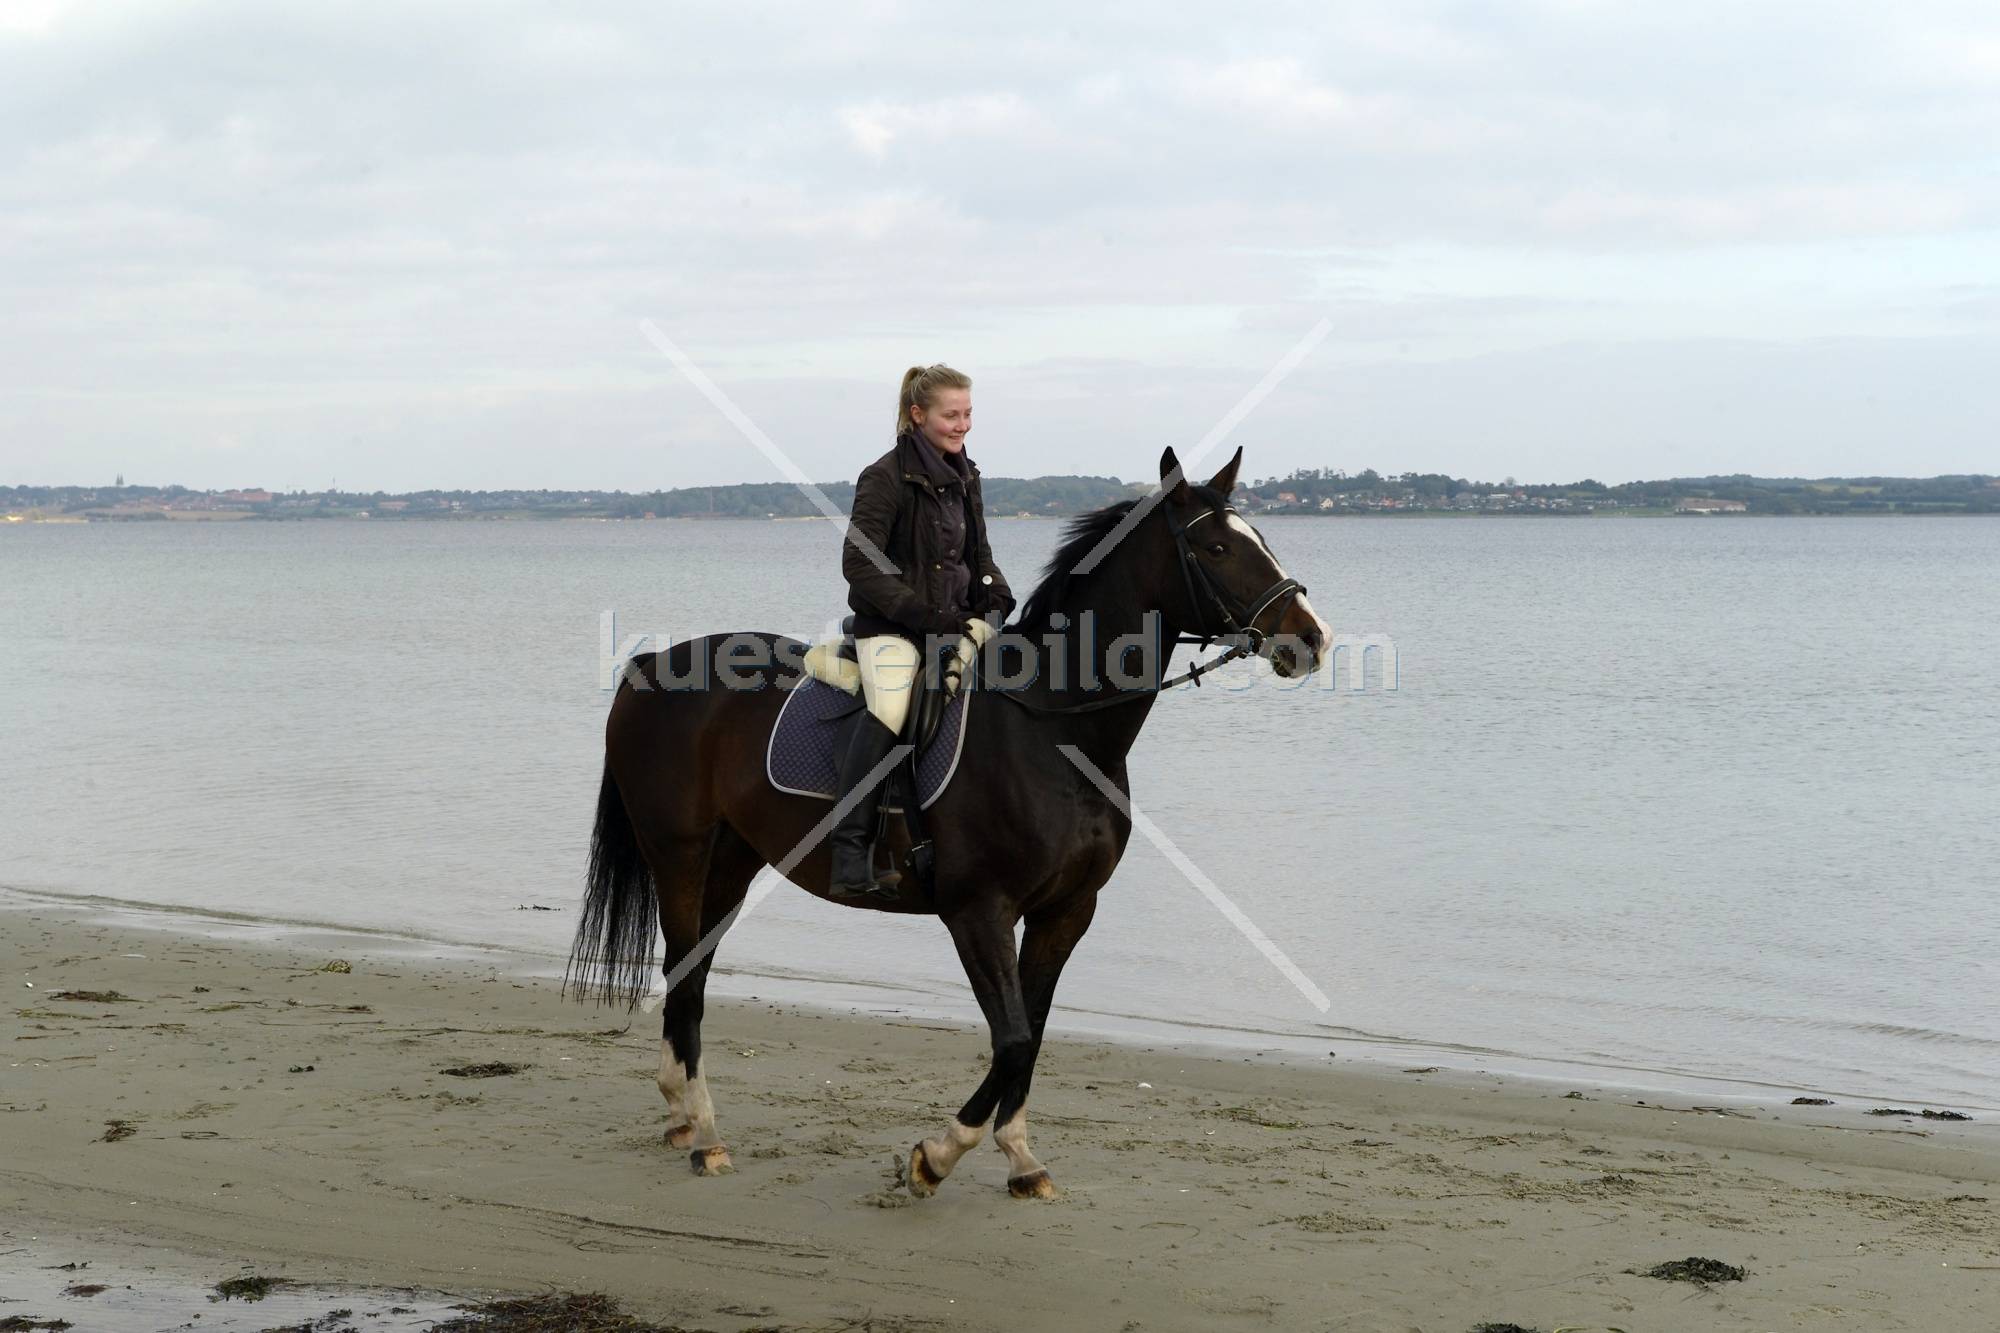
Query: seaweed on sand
[
  {"x": 556, "y": 1312},
  {"x": 252, "y": 1288},
  {"x": 1696, "y": 1270}
]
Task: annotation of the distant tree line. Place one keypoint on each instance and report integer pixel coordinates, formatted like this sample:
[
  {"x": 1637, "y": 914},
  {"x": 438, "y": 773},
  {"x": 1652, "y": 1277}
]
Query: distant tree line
[
  {"x": 1316, "y": 490},
  {"x": 1968, "y": 494}
]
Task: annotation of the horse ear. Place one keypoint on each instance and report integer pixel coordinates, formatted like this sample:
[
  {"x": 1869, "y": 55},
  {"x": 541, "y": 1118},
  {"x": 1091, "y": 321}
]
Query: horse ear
[
  {"x": 1223, "y": 482},
  {"x": 1171, "y": 480}
]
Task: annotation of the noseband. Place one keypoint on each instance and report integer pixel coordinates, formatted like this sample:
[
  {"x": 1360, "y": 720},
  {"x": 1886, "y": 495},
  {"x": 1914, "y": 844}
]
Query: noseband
[{"x": 1236, "y": 620}]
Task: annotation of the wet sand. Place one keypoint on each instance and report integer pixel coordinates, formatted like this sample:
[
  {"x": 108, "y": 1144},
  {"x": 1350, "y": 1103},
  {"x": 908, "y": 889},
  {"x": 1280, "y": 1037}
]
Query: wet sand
[{"x": 244, "y": 1110}]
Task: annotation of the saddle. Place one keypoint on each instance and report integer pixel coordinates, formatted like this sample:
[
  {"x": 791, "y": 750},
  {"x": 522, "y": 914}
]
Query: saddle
[
  {"x": 801, "y": 756},
  {"x": 837, "y": 662}
]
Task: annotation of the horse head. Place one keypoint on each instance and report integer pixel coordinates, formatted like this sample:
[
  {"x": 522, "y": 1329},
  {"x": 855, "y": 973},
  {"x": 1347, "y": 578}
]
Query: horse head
[{"x": 1229, "y": 582}]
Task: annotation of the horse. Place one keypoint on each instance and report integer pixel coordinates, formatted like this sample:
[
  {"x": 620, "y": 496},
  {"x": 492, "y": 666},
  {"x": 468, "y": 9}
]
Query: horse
[{"x": 686, "y": 818}]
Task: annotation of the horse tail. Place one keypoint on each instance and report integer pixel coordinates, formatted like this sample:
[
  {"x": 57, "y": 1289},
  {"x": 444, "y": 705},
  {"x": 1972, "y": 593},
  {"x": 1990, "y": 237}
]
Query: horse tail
[{"x": 612, "y": 958}]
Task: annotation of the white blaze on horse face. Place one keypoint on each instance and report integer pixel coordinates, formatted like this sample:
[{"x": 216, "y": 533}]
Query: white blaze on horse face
[
  {"x": 1243, "y": 529},
  {"x": 1325, "y": 634}
]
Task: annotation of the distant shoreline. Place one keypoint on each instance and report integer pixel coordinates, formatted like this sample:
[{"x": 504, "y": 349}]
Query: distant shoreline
[
  {"x": 531, "y": 516},
  {"x": 1318, "y": 492}
]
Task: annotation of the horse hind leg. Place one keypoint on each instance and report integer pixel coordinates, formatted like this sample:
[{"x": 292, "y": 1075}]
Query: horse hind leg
[
  {"x": 679, "y": 870},
  {"x": 694, "y": 909}
]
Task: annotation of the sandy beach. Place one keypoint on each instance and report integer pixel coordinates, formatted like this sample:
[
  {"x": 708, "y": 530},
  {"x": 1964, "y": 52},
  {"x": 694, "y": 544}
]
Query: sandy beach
[{"x": 241, "y": 1107}]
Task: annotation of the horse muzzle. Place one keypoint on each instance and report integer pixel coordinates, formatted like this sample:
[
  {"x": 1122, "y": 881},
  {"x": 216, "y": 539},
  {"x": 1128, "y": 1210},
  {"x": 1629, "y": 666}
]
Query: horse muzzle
[{"x": 1301, "y": 643}]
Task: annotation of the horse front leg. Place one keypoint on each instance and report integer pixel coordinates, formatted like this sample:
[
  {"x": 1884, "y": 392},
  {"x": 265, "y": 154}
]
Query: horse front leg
[
  {"x": 1045, "y": 947},
  {"x": 985, "y": 943}
]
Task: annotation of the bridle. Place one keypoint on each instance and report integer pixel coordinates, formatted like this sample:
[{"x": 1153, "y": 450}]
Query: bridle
[{"x": 1236, "y": 622}]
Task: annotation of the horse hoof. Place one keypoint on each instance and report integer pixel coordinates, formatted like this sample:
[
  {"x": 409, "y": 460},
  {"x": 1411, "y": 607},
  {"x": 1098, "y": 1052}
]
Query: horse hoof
[
  {"x": 1034, "y": 1185},
  {"x": 680, "y": 1136},
  {"x": 923, "y": 1181},
  {"x": 711, "y": 1161}
]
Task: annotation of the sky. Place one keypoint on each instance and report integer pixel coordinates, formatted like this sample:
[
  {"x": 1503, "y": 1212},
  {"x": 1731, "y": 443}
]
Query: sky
[{"x": 397, "y": 246}]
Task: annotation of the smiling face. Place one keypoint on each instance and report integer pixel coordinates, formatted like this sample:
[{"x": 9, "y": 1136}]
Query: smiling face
[{"x": 946, "y": 422}]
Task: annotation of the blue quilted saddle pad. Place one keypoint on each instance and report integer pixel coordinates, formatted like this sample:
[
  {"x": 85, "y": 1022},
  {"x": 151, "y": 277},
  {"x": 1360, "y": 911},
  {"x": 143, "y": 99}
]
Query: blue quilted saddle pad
[{"x": 800, "y": 758}]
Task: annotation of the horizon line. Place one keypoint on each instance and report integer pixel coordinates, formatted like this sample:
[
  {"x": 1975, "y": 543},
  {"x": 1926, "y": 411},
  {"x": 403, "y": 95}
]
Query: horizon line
[{"x": 994, "y": 476}]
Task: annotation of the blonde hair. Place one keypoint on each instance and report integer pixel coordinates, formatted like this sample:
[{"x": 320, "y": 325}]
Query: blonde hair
[{"x": 920, "y": 389}]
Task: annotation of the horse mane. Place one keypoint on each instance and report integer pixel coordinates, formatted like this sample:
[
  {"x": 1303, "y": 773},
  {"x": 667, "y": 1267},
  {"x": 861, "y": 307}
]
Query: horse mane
[{"x": 1079, "y": 538}]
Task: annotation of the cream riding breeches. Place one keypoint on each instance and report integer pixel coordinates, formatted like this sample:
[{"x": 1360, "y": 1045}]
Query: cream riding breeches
[{"x": 888, "y": 669}]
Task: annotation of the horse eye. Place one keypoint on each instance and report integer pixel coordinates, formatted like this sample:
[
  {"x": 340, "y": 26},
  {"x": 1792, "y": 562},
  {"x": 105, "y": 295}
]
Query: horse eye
[{"x": 1217, "y": 548}]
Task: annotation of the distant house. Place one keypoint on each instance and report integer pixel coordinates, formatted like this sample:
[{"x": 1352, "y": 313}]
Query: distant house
[
  {"x": 1702, "y": 504},
  {"x": 247, "y": 497},
  {"x": 1287, "y": 498}
]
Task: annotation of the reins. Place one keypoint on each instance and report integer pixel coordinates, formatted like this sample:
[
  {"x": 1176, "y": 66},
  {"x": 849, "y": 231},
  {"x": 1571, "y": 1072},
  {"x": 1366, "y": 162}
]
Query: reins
[
  {"x": 1192, "y": 675},
  {"x": 1236, "y": 623}
]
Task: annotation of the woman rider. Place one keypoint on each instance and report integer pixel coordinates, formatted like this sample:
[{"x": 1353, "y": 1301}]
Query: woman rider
[{"x": 918, "y": 505}]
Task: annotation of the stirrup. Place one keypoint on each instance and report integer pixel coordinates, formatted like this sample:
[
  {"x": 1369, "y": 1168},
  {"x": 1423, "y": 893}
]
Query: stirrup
[
  {"x": 877, "y": 892},
  {"x": 886, "y": 887},
  {"x": 884, "y": 884}
]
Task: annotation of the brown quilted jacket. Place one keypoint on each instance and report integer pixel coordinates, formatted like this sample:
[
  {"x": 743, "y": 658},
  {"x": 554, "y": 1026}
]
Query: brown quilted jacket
[{"x": 891, "y": 499}]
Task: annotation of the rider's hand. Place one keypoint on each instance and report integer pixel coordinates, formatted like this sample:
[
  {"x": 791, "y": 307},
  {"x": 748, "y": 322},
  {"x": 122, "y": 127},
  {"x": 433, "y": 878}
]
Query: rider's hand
[
  {"x": 941, "y": 621},
  {"x": 977, "y": 632}
]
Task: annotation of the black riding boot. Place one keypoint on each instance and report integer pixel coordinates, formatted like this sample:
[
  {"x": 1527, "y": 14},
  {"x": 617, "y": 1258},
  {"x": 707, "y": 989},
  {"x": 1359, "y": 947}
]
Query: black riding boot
[{"x": 853, "y": 872}]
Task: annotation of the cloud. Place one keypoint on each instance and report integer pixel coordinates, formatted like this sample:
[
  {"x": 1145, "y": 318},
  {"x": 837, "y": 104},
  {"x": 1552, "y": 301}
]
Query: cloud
[
  {"x": 945, "y": 122},
  {"x": 303, "y": 227},
  {"x": 1778, "y": 212},
  {"x": 1277, "y": 88}
]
